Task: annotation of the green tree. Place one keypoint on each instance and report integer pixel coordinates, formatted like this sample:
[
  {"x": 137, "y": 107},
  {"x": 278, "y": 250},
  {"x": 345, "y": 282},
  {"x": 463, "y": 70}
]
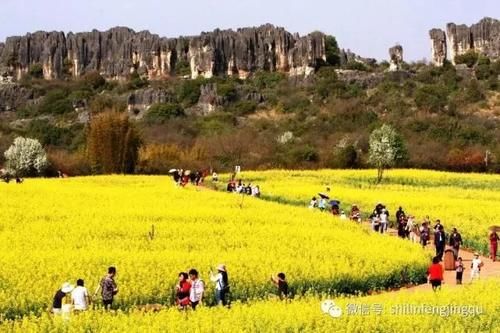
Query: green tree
[
  {"x": 386, "y": 149},
  {"x": 332, "y": 51}
]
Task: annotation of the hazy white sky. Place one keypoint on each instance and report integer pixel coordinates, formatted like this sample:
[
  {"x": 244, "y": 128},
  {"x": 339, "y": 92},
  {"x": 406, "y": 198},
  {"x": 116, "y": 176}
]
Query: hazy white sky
[{"x": 367, "y": 27}]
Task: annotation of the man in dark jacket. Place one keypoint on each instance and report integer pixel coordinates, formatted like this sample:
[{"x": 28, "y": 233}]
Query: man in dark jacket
[
  {"x": 455, "y": 242},
  {"x": 440, "y": 242}
]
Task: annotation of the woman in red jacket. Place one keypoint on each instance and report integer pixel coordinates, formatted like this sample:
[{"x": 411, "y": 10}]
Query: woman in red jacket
[
  {"x": 435, "y": 274},
  {"x": 182, "y": 291}
]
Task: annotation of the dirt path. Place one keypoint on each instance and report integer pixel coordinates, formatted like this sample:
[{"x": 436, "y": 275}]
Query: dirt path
[{"x": 490, "y": 268}]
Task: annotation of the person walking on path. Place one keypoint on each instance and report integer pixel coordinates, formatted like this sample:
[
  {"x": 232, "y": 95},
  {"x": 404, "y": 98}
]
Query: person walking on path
[
  {"x": 221, "y": 285},
  {"x": 440, "y": 242},
  {"x": 455, "y": 242},
  {"x": 384, "y": 220},
  {"x": 459, "y": 268},
  {"x": 493, "y": 245},
  {"x": 108, "y": 288},
  {"x": 80, "y": 296},
  {"x": 435, "y": 274},
  {"x": 475, "y": 266},
  {"x": 424, "y": 234},
  {"x": 60, "y": 297},
  {"x": 197, "y": 289},
  {"x": 182, "y": 291},
  {"x": 282, "y": 285}
]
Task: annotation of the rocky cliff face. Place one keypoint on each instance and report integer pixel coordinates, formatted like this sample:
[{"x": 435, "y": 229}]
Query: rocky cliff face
[
  {"x": 482, "y": 37},
  {"x": 117, "y": 52}
]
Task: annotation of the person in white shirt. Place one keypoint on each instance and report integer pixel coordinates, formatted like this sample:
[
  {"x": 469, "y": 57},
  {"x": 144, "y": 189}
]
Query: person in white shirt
[
  {"x": 221, "y": 285},
  {"x": 476, "y": 265},
  {"x": 80, "y": 297},
  {"x": 383, "y": 221},
  {"x": 343, "y": 216},
  {"x": 197, "y": 289}
]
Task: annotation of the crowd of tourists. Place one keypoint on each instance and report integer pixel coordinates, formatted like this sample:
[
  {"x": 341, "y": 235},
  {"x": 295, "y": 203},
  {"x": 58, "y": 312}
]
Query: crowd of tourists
[
  {"x": 239, "y": 187},
  {"x": 189, "y": 291}
]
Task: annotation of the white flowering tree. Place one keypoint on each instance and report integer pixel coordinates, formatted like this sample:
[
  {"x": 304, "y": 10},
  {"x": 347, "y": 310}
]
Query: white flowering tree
[
  {"x": 26, "y": 157},
  {"x": 386, "y": 149}
]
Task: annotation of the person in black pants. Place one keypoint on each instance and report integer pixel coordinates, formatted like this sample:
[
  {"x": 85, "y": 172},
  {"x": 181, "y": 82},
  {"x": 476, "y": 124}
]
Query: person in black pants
[{"x": 440, "y": 242}]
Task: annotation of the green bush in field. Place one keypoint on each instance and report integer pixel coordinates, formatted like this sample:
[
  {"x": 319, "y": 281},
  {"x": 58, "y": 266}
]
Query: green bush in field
[{"x": 161, "y": 112}]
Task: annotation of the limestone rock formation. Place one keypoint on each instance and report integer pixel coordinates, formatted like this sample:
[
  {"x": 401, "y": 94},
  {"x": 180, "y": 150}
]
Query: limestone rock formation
[
  {"x": 12, "y": 96},
  {"x": 117, "y": 52},
  {"x": 396, "y": 58},
  {"x": 482, "y": 37},
  {"x": 346, "y": 56},
  {"x": 438, "y": 47}
]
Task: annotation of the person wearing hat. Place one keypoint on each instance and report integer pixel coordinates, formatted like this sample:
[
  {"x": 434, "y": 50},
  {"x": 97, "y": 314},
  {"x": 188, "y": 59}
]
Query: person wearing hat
[
  {"x": 59, "y": 297},
  {"x": 475, "y": 266},
  {"x": 221, "y": 285}
]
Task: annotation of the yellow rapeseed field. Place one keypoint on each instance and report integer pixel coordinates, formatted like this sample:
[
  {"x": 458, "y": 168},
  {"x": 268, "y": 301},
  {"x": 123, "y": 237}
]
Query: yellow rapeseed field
[
  {"x": 469, "y": 202},
  {"x": 56, "y": 230},
  {"x": 476, "y": 308}
]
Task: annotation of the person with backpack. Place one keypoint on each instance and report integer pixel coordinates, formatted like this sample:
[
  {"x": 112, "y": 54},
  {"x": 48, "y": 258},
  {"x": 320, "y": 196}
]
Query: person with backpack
[
  {"x": 182, "y": 290},
  {"x": 221, "y": 285},
  {"x": 108, "y": 288},
  {"x": 197, "y": 290},
  {"x": 282, "y": 285},
  {"x": 455, "y": 242}
]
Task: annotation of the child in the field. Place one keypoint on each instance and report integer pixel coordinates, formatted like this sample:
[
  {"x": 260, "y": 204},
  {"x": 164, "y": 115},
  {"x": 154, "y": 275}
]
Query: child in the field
[
  {"x": 459, "y": 268},
  {"x": 475, "y": 266}
]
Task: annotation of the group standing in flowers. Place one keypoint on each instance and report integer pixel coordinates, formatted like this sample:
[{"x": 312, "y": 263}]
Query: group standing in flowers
[{"x": 189, "y": 291}]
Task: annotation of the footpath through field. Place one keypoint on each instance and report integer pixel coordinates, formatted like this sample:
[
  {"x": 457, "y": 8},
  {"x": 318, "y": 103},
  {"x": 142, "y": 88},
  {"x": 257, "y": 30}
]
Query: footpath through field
[{"x": 490, "y": 268}]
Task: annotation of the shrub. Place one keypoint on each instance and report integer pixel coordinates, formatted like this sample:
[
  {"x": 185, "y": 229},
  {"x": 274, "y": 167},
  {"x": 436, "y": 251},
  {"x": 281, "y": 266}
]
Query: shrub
[
  {"x": 158, "y": 158},
  {"x": 56, "y": 102},
  {"x": 188, "y": 92},
  {"x": 432, "y": 98},
  {"x": 104, "y": 102},
  {"x": 466, "y": 160},
  {"x": 345, "y": 157},
  {"x": 48, "y": 134},
  {"x": 161, "y": 112},
  {"x": 469, "y": 58},
  {"x": 243, "y": 108},
  {"x": 182, "y": 68},
  {"x": 70, "y": 163},
  {"x": 36, "y": 71},
  {"x": 93, "y": 80}
]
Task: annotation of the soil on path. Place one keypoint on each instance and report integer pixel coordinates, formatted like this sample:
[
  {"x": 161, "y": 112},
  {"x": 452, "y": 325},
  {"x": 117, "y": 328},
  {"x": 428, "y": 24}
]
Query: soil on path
[{"x": 490, "y": 268}]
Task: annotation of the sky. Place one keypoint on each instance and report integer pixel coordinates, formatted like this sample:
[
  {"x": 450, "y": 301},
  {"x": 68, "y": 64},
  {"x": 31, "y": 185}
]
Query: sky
[{"x": 367, "y": 27}]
